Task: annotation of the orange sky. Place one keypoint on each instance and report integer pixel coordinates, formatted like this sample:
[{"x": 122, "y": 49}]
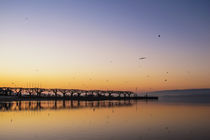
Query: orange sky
[{"x": 95, "y": 46}]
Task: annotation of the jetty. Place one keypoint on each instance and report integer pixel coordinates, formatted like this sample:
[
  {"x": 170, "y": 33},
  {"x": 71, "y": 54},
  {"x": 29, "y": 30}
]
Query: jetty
[{"x": 19, "y": 93}]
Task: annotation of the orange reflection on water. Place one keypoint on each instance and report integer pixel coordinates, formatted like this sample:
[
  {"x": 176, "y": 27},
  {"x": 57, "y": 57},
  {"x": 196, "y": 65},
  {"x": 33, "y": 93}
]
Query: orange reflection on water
[{"x": 104, "y": 120}]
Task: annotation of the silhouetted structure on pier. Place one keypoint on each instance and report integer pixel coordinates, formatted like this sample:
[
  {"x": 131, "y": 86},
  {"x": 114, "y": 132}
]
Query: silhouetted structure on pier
[{"x": 15, "y": 93}]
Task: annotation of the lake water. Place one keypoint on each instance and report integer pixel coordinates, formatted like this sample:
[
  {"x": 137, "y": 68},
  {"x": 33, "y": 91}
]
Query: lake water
[{"x": 104, "y": 120}]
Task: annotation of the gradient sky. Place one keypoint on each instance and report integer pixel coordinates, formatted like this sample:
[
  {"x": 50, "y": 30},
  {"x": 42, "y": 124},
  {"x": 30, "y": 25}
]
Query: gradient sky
[{"x": 96, "y": 44}]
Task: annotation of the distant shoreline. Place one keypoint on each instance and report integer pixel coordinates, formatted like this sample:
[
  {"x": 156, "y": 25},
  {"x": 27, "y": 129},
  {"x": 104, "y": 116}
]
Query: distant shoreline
[{"x": 180, "y": 90}]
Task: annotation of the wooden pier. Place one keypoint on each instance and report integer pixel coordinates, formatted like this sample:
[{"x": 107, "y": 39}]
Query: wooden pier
[{"x": 18, "y": 93}]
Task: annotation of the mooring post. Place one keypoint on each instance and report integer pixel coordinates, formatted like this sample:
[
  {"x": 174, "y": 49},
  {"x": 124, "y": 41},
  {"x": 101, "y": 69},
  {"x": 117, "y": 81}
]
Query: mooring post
[
  {"x": 124, "y": 95},
  {"x": 20, "y": 92},
  {"x": 129, "y": 94},
  {"x": 55, "y": 91},
  {"x": 109, "y": 93},
  {"x": 92, "y": 93},
  {"x": 39, "y": 91},
  {"x": 98, "y": 93},
  {"x": 119, "y": 94},
  {"x": 64, "y": 91},
  {"x": 78, "y": 93},
  {"x": 30, "y": 91},
  {"x": 86, "y": 93},
  {"x": 71, "y": 92},
  {"x": 7, "y": 91}
]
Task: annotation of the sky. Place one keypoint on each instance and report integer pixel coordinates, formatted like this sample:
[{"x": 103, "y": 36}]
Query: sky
[{"x": 97, "y": 44}]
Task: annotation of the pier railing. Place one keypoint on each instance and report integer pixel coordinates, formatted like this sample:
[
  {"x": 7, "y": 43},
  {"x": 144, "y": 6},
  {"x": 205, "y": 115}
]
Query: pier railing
[{"x": 56, "y": 92}]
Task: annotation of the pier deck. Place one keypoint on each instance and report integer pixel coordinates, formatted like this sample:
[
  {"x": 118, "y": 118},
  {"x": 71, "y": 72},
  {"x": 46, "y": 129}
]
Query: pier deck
[{"x": 17, "y": 94}]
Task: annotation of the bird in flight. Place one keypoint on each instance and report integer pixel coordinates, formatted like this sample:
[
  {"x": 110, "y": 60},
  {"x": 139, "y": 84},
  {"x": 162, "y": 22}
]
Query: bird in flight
[
  {"x": 142, "y": 58},
  {"x": 158, "y": 35}
]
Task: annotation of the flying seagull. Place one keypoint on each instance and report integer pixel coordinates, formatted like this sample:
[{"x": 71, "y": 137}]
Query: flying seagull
[{"x": 142, "y": 58}]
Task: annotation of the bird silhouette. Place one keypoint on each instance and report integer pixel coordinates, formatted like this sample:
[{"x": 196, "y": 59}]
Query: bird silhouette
[{"x": 142, "y": 58}]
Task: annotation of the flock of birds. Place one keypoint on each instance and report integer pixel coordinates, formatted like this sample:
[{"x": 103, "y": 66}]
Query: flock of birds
[
  {"x": 140, "y": 58},
  {"x": 143, "y": 58}
]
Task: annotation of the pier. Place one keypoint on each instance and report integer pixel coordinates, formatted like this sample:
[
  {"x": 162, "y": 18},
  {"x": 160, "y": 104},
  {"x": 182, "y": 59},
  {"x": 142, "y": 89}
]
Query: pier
[{"x": 18, "y": 93}]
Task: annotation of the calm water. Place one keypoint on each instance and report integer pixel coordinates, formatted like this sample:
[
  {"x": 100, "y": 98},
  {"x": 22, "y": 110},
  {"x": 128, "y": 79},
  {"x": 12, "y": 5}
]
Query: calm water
[{"x": 114, "y": 120}]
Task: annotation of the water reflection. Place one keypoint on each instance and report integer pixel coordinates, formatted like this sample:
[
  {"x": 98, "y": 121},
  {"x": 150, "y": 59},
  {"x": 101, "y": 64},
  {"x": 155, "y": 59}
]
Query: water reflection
[
  {"x": 94, "y": 120},
  {"x": 65, "y": 104}
]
